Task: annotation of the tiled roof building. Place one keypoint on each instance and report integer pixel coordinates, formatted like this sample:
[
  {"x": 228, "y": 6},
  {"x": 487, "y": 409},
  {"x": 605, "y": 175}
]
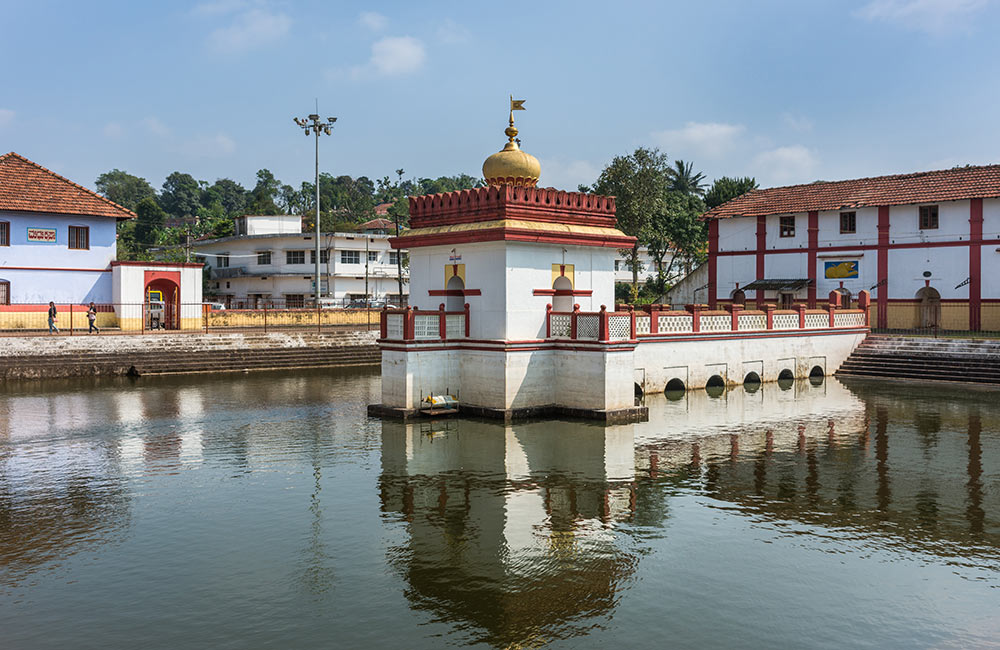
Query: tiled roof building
[{"x": 28, "y": 187}]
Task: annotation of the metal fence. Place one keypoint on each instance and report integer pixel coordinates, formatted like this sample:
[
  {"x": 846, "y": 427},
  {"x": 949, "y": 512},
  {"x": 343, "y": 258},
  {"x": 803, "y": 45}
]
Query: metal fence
[
  {"x": 156, "y": 317},
  {"x": 938, "y": 332}
]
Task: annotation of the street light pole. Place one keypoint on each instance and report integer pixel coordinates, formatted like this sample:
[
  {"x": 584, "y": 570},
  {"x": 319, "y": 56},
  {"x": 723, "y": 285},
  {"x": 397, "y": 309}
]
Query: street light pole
[
  {"x": 313, "y": 124},
  {"x": 399, "y": 253}
]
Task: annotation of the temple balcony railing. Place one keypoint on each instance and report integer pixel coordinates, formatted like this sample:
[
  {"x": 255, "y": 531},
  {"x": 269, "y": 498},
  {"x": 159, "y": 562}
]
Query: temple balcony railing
[
  {"x": 423, "y": 325},
  {"x": 659, "y": 322}
]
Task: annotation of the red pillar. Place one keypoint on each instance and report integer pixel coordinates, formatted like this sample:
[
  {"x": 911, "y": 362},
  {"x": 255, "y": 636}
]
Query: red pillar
[
  {"x": 602, "y": 326},
  {"x": 466, "y": 320},
  {"x": 572, "y": 321},
  {"x": 883, "y": 267},
  {"x": 813, "y": 232},
  {"x": 975, "y": 264},
  {"x": 408, "y": 324},
  {"x": 383, "y": 326},
  {"x": 713, "y": 254},
  {"x": 802, "y": 315},
  {"x": 442, "y": 323},
  {"x": 695, "y": 311},
  {"x": 769, "y": 314},
  {"x": 548, "y": 320},
  {"x": 631, "y": 313},
  {"x": 761, "y": 246}
]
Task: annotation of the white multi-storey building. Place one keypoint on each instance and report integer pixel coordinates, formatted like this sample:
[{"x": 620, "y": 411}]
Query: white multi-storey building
[{"x": 272, "y": 260}]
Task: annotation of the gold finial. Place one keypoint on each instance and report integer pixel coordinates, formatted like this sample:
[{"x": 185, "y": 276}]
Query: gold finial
[
  {"x": 511, "y": 131},
  {"x": 511, "y": 166}
]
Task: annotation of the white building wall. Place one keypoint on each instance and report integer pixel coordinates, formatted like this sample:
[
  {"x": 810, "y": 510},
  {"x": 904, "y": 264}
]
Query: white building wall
[{"x": 773, "y": 238}]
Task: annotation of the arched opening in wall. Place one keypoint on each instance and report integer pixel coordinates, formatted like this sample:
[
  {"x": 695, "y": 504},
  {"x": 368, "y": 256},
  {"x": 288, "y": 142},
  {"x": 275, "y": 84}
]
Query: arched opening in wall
[
  {"x": 674, "y": 390},
  {"x": 455, "y": 301},
  {"x": 563, "y": 300},
  {"x": 817, "y": 376},
  {"x": 786, "y": 379},
  {"x": 751, "y": 383},
  {"x": 638, "y": 390},
  {"x": 162, "y": 297},
  {"x": 930, "y": 307},
  {"x": 715, "y": 386},
  {"x": 739, "y": 297}
]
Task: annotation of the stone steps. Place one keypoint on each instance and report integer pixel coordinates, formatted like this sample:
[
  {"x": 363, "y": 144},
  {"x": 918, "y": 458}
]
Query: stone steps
[
  {"x": 956, "y": 360},
  {"x": 52, "y": 357}
]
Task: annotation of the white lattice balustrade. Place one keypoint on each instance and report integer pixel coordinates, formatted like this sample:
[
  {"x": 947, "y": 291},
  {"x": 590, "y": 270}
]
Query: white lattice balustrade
[
  {"x": 817, "y": 320},
  {"x": 752, "y": 322},
  {"x": 786, "y": 321},
  {"x": 642, "y": 324},
  {"x": 587, "y": 326},
  {"x": 394, "y": 326},
  {"x": 720, "y": 323},
  {"x": 679, "y": 323},
  {"x": 619, "y": 328},
  {"x": 559, "y": 325},
  {"x": 455, "y": 325},
  {"x": 426, "y": 326},
  {"x": 849, "y": 320}
]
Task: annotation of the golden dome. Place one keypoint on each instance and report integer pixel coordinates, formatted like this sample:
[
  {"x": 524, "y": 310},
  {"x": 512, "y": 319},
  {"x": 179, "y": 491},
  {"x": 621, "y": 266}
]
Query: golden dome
[{"x": 511, "y": 166}]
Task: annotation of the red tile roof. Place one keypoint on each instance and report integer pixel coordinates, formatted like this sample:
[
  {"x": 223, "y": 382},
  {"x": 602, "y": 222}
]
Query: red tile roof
[
  {"x": 899, "y": 189},
  {"x": 382, "y": 209},
  {"x": 377, "y": 224},
  {"x": 28, "y": 187}
]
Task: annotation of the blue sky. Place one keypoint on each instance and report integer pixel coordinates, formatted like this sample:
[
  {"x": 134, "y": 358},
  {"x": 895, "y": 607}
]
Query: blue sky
[{"x": 785, "y": 91}]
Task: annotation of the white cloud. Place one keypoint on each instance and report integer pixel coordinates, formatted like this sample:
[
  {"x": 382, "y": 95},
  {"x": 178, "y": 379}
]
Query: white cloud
[
  {"x": 6, "y": 117},
  {"x": 699, "y": 139},
  {"x": 784, "y": 165},
  {"x": 452, "y": 33},
  {"x": 931, "y": 16},
  {"x": 218, "y": 7},
  {"x": 207, "y": 146},
  {"x": 394, "y": 55},
  {"x": 797, "y": 123},
  {"x": 114, "y": 130},
  {"x": 567, "y": 174},
  {"x": 156, "y": 127},
  {"x": 373, "y": 20},
  {"x": 251, "y": 29}
]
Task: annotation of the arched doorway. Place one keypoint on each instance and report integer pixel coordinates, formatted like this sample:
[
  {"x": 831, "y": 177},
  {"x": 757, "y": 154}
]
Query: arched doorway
[
  {"x": 930, "y": 307},
  {"x": 845, "y": 297},
  {"x": 563, "y": 299},
  {"x": 455, "y": 301},
  {"x": 739, "y": 297},
  {"x": 162, "y": 297}
]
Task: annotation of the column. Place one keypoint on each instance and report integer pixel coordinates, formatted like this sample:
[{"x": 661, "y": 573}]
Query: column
[
  {"x": 713, "y": 255},
  {"x": 882, "y": 299},
  {"x": 761, "y": 247},
  {"x": 975, "y": 264},
  {"x": 813, "y": 232}
]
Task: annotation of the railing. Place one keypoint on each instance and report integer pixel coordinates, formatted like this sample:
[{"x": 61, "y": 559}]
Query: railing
[
  {"x": 152, "y": 317},
  {"x": 424, "y": 324},
  {"x": 658, "y": 321}
]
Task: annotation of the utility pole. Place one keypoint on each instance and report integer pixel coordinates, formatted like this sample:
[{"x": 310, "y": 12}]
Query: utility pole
[
  {"x": 314, "y": 125},
  {"x": 399, "y": 253}
]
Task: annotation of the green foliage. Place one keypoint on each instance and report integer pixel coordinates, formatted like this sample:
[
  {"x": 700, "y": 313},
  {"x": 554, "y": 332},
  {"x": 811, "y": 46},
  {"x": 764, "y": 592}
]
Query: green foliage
[
  {"x": 229, "y": 194},
  {"x": 264, "y": 193},
  {"x": 683, "y": 179},
  {"x": 726, "y": 189},
  {"x": 180, "y": 196},
  {"x": 124, "y": 189},
  {"x": 677, "y": 232},
  {"x": 639, "y": 182},
  {"x": 149, "y": 223}
]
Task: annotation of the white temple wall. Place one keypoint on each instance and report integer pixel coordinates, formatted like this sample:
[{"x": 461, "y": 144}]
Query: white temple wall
[{"x": 694, "y": 362}]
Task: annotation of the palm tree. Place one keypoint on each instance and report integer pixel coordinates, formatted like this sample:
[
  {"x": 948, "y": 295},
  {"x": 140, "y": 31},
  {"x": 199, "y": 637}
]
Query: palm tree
[{"x": 683, "y": 179}]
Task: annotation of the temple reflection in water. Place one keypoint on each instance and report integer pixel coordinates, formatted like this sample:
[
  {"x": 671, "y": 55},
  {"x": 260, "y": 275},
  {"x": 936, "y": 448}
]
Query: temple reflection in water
[{"x": 512, "y": 528}]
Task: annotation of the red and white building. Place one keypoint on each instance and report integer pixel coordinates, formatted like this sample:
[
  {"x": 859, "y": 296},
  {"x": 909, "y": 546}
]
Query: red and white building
[{"x": 927, "y": 245}]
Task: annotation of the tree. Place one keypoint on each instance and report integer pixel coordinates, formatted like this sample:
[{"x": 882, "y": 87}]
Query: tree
[
  {"x": 124, "y": 189},
  {"x": 264, "y": 193},
  {"x": 231, "y": 196},
  {"x": 726, "y": 189},
  {"x": 291, "y": 200},
  {"x": 639, "y": 182},
  {"x": 683, "y": 179},
  {"x": 180, "y": 196},
  {"x": 149, "y": 223},
  {"x": 679, "y": 232}
]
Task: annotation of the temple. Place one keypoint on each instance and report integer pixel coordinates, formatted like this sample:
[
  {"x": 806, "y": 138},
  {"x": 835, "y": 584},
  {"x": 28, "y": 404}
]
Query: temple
[{"x": 512, "y": 311}]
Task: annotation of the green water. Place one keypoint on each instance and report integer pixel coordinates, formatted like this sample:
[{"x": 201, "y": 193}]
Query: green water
[{"x": 267, "y": 511}]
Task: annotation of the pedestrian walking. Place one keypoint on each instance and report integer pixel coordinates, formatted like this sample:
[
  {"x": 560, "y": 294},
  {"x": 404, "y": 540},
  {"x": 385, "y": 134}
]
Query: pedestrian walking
[
  {"x": 92, "y": 319},
  {"x": 52, "y": 318}
]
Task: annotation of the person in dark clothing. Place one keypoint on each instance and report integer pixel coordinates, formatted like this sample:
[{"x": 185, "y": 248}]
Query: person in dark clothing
[
  {"x": 92, "y": 319},
  {"x": 52, "y": 318}
]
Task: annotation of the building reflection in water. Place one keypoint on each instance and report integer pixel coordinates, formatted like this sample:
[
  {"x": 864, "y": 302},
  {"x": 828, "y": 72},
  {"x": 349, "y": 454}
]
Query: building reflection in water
[
  {"x": 513, "y": 530},
  {"x": 510, "y": 527}
]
